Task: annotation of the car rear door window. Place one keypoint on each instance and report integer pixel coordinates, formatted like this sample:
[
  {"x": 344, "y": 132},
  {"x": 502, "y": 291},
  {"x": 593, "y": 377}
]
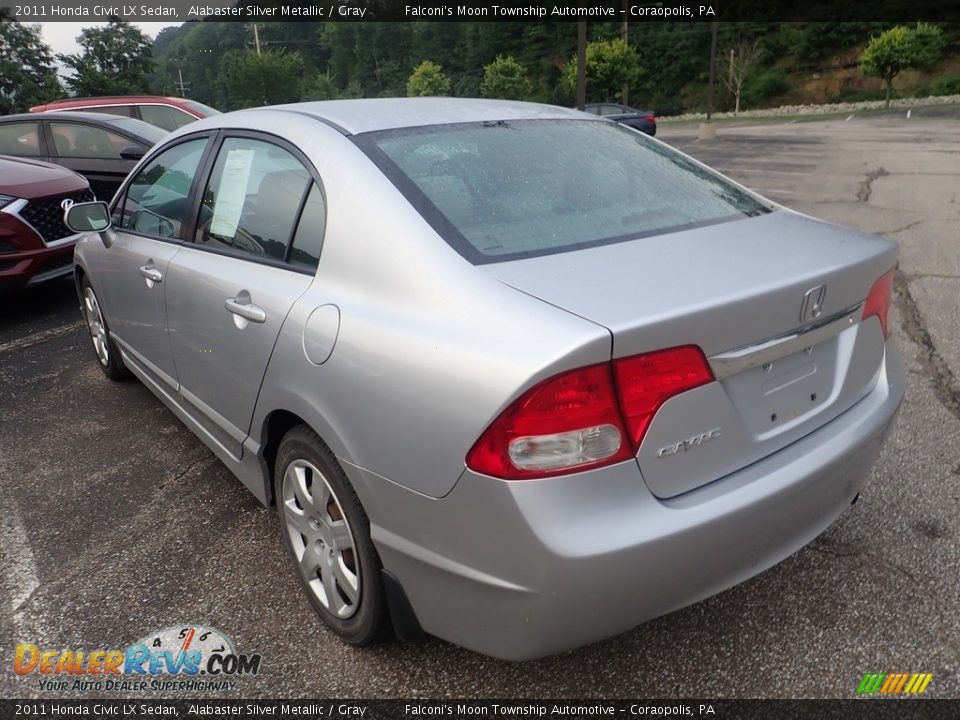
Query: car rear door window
[
  {"x": 305, "y": 251},
  {"x": 164, "y": 116},
  {"x": 21, "y": 139},
  {"x": 156, "y": 199},
  {"x": 74, "y": 140},
  {"x": 252, "y": 199}
]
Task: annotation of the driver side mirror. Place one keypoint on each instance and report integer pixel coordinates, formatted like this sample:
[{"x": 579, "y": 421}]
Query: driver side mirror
[
  {"x": 132, "y": 152},
  {"x": 89, "y": 217}
]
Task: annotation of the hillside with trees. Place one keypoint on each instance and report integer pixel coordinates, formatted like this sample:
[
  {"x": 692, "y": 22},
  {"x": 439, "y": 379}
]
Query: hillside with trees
[{"x": 661, "y": 66}]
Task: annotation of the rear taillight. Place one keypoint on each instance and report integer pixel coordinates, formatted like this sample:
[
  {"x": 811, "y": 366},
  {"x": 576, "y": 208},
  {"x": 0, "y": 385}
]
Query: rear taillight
[
  {"x": 651, "y": 118},
  {"x": 878, "y": 301},
  {"x": 569, "y": 422},
  {"x": 645, "y": 382},
  {"x": 575, "y": 421}
]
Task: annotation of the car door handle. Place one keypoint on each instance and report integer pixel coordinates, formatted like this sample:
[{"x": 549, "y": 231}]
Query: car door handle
[
  {"x": 151, "y": 273},
  {"x": 242, "y": 307}
]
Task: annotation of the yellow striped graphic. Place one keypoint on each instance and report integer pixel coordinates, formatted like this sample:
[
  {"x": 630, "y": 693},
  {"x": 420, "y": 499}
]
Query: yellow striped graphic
[{"x": 894, "y": 683}]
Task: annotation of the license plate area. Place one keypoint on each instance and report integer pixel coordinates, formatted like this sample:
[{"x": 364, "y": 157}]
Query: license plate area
[{"x": 783, "y": 393}]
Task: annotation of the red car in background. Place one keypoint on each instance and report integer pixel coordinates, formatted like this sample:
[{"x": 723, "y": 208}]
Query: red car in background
[
  {"x": 168, "y": 113},
  {"x": 35, "y": 245}
]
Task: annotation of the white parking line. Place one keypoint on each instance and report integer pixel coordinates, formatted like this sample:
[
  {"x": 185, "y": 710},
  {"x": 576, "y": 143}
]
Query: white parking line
[
  {"x": 849, "y": 117},
  {"x": 908, "y": 114},
  {"x": 39, "y": 337},
  {"x": 20, "y": 568}
]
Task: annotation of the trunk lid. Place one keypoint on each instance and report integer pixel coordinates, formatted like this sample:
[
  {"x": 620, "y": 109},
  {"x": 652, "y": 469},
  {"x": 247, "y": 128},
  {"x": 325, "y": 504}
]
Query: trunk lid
[{"x": 740, "y": 290}]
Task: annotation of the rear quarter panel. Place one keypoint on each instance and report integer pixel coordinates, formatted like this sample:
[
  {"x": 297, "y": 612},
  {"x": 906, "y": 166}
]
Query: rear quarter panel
[{"x": 428, "y": 349}]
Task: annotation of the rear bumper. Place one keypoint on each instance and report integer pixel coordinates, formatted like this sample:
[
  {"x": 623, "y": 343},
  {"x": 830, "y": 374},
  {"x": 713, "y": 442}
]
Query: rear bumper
[{"x": 519, "y": 570}]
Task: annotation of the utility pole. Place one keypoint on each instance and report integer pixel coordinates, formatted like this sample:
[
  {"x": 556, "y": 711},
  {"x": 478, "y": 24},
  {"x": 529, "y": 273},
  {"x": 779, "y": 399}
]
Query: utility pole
[
  {"x": 713, "y": 68},
  {"x": 625, "y": 34},
  {"x": 581, "y": 65},
  {"x": 707, "y": 129},
  {"x": 256, "y": 37},
  {"x": 730, "y": 72},
  {"x": 181, "y": 86}
]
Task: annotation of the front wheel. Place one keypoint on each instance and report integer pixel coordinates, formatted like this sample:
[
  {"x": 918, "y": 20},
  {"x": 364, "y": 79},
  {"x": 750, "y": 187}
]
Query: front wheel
[
  {"x": 103, "y": 346},
  {"x": 327, "y": 534}
]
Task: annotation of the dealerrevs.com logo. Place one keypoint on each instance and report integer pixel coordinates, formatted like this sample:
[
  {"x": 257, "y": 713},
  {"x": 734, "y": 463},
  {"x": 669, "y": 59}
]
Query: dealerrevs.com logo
[{"x": 181, "y": 657}]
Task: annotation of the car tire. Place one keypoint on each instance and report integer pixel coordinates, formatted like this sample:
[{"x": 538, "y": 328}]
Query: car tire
[
  {"x": 328, "y": 538},
  {"x": 104, "y": 348}
]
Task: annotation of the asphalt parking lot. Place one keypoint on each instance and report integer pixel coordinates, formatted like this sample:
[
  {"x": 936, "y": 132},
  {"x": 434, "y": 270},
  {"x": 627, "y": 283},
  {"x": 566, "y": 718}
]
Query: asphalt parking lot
[{"x": 117, "y": 521}]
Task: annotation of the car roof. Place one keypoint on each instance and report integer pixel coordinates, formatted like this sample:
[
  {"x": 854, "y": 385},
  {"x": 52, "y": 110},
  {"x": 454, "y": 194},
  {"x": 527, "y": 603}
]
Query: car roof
[
  {"x": 113, "y": 99},
  {"x": 353, "y": 117},
  {"x": 120, "y": 123}
]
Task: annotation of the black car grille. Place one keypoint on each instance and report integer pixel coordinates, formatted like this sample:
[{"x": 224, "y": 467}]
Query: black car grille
[
  {"x": 46, "y": 216},
  {"x": 55, "y": 263}
]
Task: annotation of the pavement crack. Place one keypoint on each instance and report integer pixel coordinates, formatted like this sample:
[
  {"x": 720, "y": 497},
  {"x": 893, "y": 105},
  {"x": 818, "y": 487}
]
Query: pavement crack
[
  {"x": 866, "y": 185},
  {"x": 899, "y": 229},
  {"x": 942, "y": 379},
  {"x": 199, "y": 462}
]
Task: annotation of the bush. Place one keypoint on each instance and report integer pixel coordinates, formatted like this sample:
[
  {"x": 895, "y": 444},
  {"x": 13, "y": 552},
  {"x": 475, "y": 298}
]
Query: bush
[
  {"x": 764, "y": 87},
  {"x": 949, "y": 85},
  {"x": 855, "y": 94}
]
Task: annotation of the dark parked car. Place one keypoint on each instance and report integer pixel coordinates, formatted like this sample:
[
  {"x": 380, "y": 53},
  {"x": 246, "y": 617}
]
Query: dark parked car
[
  {"x": 102, "y": 148},
  {"x": 642, "y": 120},
  {"x": 167, "y": 113},
  {"x": 35, "y": 245}
]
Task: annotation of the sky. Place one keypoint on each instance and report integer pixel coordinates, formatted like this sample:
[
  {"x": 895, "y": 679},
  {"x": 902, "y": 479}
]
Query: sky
[{"x": 61, "y": 36}]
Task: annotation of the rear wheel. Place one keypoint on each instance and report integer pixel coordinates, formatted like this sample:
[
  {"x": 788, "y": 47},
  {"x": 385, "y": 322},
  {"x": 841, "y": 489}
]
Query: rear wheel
[
  {"x": 327, "y": 534},
  {"x": 103, "y": 346}
]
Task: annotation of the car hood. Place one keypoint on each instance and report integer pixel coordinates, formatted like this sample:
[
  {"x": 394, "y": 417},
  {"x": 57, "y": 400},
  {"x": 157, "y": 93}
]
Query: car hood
[{"x": 31, "y": 179}]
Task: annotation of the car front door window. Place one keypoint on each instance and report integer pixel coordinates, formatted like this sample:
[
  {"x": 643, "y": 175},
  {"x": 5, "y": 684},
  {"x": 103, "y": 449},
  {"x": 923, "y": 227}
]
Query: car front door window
[{"x": 156, "y": 201}]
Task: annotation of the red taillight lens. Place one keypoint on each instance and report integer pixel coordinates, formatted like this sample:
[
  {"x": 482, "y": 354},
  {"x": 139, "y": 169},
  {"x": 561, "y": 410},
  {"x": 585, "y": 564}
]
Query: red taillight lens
[
  {"x": 651, "y": 117},
  {"x": 878, "y": 301},
  {"x": 567, "y": 423},
  {"x": 645, "y": 382},
  {"x": 575, "y": 421}
]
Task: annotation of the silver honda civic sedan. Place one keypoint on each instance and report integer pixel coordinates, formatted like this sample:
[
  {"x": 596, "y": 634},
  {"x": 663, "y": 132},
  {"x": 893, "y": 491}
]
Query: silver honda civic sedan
[{"x": 512, "y": 375}]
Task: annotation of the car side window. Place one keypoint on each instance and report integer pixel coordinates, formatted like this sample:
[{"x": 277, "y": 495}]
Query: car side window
[
  {"x": 21, "y": 139},
  {"x": 86, "y": 141},
  {"x": 156, "y": 199},
  {"x": 305, "y": 250},
  {"x": 251, "y": 201},
  {"x": 121, "y": 110},
  {"x": 164, "y": 116}
]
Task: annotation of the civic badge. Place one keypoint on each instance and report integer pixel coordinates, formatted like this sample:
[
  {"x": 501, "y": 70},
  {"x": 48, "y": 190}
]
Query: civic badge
[{"x": 812, "y": 306}]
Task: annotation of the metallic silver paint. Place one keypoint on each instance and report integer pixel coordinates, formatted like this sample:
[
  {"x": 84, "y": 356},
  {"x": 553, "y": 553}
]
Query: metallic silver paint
[{"x": 427, "y": 349}]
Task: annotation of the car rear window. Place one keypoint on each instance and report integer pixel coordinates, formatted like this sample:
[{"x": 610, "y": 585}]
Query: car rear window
[{"x": 507, "y": 190}]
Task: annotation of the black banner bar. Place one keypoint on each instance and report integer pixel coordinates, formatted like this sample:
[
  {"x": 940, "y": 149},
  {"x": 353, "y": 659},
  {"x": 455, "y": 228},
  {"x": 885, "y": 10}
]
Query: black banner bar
[
  {"x": 325, "y": 709},
  {"x": 479, "y": 10}
]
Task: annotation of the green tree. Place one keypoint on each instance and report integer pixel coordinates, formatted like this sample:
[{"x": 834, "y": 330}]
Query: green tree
[
  {"x": 115, "y": 60},
  {"x": 611, "y": 64},
  {"x": 505, "y": 78},
  {"x": 321, "y": 87},
  {"x": 27, "y": 75},
  {"x": 900, "y": 48},
  {"x": 427, "y": 79},
  {"x": 270, "y": 78}
]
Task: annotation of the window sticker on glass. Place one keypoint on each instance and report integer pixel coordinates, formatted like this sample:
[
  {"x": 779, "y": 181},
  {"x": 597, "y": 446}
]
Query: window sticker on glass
[{"x": 231, "y": 193}]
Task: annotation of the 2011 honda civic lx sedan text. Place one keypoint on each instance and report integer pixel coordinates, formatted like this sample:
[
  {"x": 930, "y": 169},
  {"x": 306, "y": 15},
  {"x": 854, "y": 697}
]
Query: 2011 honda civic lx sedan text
[{"x": 513, "y": 375}]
